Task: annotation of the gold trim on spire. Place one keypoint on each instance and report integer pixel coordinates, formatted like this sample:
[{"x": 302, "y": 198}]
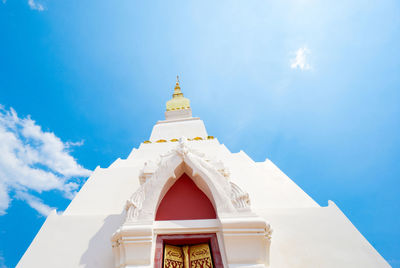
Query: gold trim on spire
[
  {"x": 177, "y": 89},
  {"x": 178, "y": 101}
]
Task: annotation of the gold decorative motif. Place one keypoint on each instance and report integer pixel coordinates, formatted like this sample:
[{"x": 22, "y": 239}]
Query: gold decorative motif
[
  {"x": 188, "y": 256},
  {"x": 200, "y": 256},
  {"x": 178, "y": 101},
  {"x": 173, "y": 257},
  {"x": 176, "y": 140}
]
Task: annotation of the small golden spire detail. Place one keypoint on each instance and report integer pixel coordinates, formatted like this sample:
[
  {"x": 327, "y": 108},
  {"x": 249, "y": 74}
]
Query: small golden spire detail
[
  {"x": 178, "y": 102},
  {"x": 177, "y": 89}
]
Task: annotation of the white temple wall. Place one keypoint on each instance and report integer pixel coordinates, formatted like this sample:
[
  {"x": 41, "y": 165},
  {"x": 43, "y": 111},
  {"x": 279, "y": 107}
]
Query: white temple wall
[
  {"x": 174, "y": 129},
  {"x": 302, "y": 238},
  {"x": 318, "y": 237},
  {"x": 73, "y": 241},
  {"x": 100, "y": 229},
  {"x": 107, "y": 190}
]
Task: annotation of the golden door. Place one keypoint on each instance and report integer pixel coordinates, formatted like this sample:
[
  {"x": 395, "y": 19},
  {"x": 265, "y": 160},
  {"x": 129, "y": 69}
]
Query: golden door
[
  {"x": 173, "y": 257},
  {"x": 188, "y": 256}
]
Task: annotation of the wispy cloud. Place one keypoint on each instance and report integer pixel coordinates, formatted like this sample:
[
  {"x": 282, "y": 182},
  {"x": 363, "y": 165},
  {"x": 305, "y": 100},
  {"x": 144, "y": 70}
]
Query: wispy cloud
[
  {"x": 34, "y": 5},
  {"x": 71, "y": 143},
  {"x": 35, "y": 202},
  {"x": 32, "y": 160},
  {"x": 300, "y": 61}
]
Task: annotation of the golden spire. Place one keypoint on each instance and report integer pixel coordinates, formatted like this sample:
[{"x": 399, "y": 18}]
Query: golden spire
[
  {"x": 177, "y": 89},
  {"x": 178, "y": 102}
]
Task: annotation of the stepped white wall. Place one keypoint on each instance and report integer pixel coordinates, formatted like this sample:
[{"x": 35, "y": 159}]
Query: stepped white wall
[{"x": 305, "y": 234}]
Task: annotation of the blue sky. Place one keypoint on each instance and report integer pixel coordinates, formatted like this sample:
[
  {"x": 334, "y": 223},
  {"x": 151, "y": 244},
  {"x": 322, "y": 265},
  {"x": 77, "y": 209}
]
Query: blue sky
[{"x": 312, "y": 85}]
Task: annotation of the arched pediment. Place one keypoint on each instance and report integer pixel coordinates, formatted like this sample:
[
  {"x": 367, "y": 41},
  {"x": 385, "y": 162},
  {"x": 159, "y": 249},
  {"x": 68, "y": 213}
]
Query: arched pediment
[
  {"x": 210, "y": 177},
  {"x": 236, "y": 227}
]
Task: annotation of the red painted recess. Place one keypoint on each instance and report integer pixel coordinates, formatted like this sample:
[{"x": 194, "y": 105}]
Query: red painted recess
[{"x": 185, "y": 201}]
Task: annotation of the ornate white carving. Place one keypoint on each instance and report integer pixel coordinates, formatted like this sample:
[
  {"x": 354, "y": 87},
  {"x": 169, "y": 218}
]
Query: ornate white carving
[
  {"x": 219, "y": 165},
  {"x": 225, "y": 172},
  {"x": 237, "y": 226},
  {"x": 240, "y": 199},
  {"x": 134, "y": 204},
  {"x": 183, "y": 150},
  {"x": 214, "y": 177},
  {"x": 147, "y": 171},
  {"x": 268, "y": 232}
]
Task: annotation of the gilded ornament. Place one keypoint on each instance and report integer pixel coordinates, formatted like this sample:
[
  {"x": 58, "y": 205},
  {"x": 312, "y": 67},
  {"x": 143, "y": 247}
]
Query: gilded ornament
[
  {"x": 178, "y": 101},
  {"x": 173, "y": 257},
  {"x": 187, "y": 256}
]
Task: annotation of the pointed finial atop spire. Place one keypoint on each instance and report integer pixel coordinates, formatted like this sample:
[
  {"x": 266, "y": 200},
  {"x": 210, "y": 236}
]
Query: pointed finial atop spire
[
  {"x": 178, "y": 102},
  {"x": 177, "y": 89}
]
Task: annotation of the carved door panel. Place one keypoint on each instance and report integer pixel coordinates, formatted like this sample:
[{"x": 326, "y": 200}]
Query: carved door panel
[
  {"x": 200, "y": 256},
  {"x": 173, "y": 257},
  {"x": 188, "y": 256}
]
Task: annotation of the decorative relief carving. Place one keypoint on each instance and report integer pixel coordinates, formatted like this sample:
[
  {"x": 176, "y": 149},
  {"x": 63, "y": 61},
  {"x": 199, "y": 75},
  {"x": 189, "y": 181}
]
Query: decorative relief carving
[
  {"x": 183, "y": 149},
  {"x": 268, "y": 232},
  {"x": 225, "y": 172},
  {"x": 147, "y": 171},
  {"x": 215, "y": 174},
  {"x": 240, "y": 199},
  {"x": 134, "y": 204}
]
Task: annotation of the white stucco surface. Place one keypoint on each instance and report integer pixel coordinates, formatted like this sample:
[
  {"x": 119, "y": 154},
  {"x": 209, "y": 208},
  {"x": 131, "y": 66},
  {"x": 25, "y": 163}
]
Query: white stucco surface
[
  {"x": 304, "y": 234},
  {"x": 302, "y": 238},
  {"x": 318, "y": 237},
  {"x": 174, "y": 129}
]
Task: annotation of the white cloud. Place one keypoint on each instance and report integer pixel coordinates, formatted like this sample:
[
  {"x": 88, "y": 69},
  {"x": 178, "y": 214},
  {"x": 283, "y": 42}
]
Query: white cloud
[
  {"x": 76, "y": 143},
  {"x": 300, "y": 61},
  {"x": 32, "y": 160},
  {"x": 35, "y": 203},
  {"x": 35, "y": 6}
]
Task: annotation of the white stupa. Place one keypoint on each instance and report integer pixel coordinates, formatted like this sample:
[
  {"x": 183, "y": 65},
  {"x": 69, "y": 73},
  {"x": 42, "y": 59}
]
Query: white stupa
[{"x": 182, "y": 199}]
